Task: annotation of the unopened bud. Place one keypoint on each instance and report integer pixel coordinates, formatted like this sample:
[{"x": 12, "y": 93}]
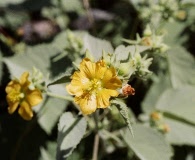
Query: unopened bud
[{"x": 128, "y": 90}]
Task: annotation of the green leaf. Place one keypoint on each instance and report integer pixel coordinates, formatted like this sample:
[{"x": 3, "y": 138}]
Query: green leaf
[
  {"x": 154, "y": 93},
  {"x": 7, "y": 2},
  {"x": 123, "y": 109},
  {"x": 50, "y": 112},
  {"x": 72, "y": 5},
  {"x": 180, "y": 133},
  {"x": 14, "y": 20},
  {"x": 188, "y": 2},
  {"x": 148, "y": 144},
  {"x": 39, "y": 56},
  {"x": 123, "y": 52},
  {"x": 96, "y": 46},
  {"x": 20, "y": 63},
  {"x": 64, "y": 78},
  {"x": 70, "y": 132},
  {"x": 174, "y": 31},
  {"x": 49, "y": 152},
  {"x": 179, "y": 102},
  {"x": 181, "y": 66}
]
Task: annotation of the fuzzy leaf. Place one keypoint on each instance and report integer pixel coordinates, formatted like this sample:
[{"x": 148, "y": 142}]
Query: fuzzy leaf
[
  {"x": 124, "y": 112},
  {"x": 7, "y": 2},
  {"x": 96, "y": 46},
  {"x": 154, "y": 93},
  {"x": 24, "y": 62},
  {"x": 180, "y": 133},
  {"x": 181, "y": 66},
  {"x": 49, "y": 152},
  {"x": 50, "y": 113},
  {"x": 175, "y": 38},
  {"x": 179, "y": 102},
  {"x": 70, "y": 132},
  {"x": 64, "y": 78},
  {"x": 20, "y": 63},
  {"x": 147, "y": 144}
]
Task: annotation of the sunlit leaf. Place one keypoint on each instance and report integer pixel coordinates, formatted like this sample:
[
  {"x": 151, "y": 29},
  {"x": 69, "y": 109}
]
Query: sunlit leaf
[
  {"x": 50, "y": 113},
  {"x": 70, "y": 132},
  {"x": 179, "y": 102},
  {"x": 61, "y": 79},
  {"x": 181, "y": 66},
  {"x": 96, "y": 46},
  {"x": 7, "y": 2},
  {"x": 154, "y": 93},
  {"x": 122, "y": 107},
  {"x": 147, "y": 143},
  {"x": 180, "y": 132},
  {"x": 173, "y": 36}
]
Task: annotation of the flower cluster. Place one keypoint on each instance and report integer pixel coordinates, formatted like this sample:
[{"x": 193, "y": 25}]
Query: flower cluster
[{"x": 21, "y": 93}]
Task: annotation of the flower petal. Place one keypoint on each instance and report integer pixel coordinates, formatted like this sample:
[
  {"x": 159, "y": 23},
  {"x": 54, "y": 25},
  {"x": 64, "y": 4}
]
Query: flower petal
[
  {"x": 24, "y": 78},
  {"x": 12, "y": 85},
  {"x": 88, "y": 68},
  {"x": 74, "y": 90},
  {"x": 103, "y": 97},
  {"x": 25, "y": 111},
  {"x": 34, "y": 97},
  {"x": 12, "y": 107},
  {"x": 88, "y": 103},
  {"x": 79, "y": 79},
  {"x": 113, "y": 83},
  {"x": 100, "y": 69}
]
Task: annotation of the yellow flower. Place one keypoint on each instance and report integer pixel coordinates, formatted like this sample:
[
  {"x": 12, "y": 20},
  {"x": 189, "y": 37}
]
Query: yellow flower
[
  {"x": 19, "y": 94},
  {"x": 93, "y": 85}
]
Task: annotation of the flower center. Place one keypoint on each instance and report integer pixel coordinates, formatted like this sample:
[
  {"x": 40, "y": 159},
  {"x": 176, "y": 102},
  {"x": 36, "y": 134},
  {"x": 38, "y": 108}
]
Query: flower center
[
  {"x": 95, "y": 85},
  {"x": 15, "y": 96}
]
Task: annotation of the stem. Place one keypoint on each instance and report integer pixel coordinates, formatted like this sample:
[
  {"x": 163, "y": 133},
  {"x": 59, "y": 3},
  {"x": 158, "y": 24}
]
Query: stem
[
  {"x": 95, "y": 147},
  {"x": 68, "y": 98},
  {"x": 96, "y": 139},
  {"x": 134, "y": 29},
  {"x": 88, "y": 9}
]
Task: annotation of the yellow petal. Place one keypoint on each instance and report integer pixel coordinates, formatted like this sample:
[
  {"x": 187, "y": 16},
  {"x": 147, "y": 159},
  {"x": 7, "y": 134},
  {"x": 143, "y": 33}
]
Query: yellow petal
[
  {"x": 88, "y": 104},
  {"x": 34, "y": 97},
  {"x": 113, "y": 83},
  {"x": 74, "y": 90},
  {"x": 80, "y": 79},
  {"x": 100, "y": 70},
  {"x": 12, "y": 107},
  {"x": 88, "y": 68},
  {"x": 24, "y": 78},
  {"x": 13, "y": 85},
  {"x": 109, "y": 73},
  {"x": 103, "y": 97},
  {"x": 25, "y": 111}
]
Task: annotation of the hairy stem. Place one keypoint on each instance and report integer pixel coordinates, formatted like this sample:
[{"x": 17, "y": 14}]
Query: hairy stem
[
  {"x": 68, "y": 98},
  {"x": 95, "y": 147}
]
